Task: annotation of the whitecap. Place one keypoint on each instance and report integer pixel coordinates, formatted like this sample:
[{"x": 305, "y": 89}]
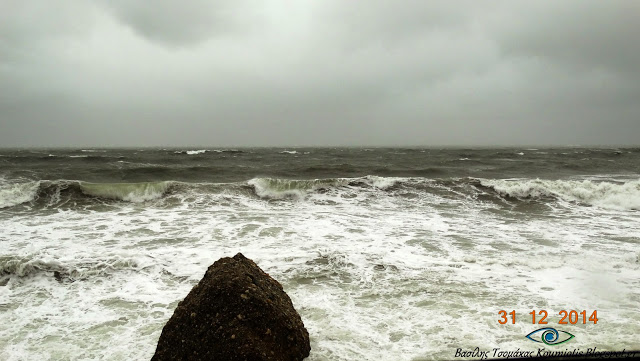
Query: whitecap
[{"x": 612, "y": 195}]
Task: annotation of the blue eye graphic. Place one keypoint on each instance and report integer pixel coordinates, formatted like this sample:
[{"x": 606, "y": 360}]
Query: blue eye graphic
[{"x": 549, "y": 336}]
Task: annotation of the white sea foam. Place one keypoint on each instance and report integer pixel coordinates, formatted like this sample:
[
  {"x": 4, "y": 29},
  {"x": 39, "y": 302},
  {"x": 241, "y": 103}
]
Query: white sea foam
[
  {"x": 382, "y": 182},
  {"x": 12, "y": 194},
  {"x": 289, "y": 152},
  {"x": 193, "y": 152},
  {"x": 622, "y": 196},
  {"x": 27, "y": 267}
]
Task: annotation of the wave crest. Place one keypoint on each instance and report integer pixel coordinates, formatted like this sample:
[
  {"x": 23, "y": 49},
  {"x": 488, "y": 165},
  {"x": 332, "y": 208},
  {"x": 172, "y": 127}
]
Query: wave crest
[
  {"x": 202, "y": 151},
  {"x": 275, "y": 188},
  {"x": 130, "y": 192}
]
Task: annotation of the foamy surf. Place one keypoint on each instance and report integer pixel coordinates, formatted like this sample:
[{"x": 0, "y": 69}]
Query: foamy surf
[
  {"x": 72, "y": 270},
  {"x": 17, "y": 193},
  {"x": 605, "y": 194},
  {"x": 384, "y": 182}
]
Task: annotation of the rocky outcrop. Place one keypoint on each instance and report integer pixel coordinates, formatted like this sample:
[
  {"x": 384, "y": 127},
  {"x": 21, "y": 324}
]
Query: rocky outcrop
[{"x": 236, "y": 312}]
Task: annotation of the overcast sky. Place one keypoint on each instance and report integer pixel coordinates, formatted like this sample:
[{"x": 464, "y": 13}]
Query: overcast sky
[{"x": 324, "y": 72}]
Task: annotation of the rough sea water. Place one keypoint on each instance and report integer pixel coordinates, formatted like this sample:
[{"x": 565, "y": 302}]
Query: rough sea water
[{"x": 388, "y": 254}]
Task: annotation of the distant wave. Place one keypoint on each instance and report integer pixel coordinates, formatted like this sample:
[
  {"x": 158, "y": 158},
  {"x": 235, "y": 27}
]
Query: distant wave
[
  {"x": 89, "y": 157},
  {"x": 228, "y": 151},
  {"x": 203, "y": 151},
  {"x": 618, "y": 195},
  {"x": 289, "y": 152},
  {"x": 191, "y": 152}
]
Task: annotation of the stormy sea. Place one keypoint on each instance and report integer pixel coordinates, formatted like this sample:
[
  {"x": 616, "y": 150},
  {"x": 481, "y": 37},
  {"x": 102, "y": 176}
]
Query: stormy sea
[{"x": 386, "y": 253}]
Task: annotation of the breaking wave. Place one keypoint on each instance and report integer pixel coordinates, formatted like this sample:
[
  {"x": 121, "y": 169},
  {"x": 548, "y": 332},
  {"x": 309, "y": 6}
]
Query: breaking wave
[
  {"x": 13, "y": 194},
  {"x": 274, "y": 188},
  {"x": 604, "y": 194},
  {"x": 130, "y": 192},
  {"x": 265, "y": 188},
  {"x": 28, "y": 267},
  {"x": 17, "y": 193},
  {"x": 620, "y": 195}
]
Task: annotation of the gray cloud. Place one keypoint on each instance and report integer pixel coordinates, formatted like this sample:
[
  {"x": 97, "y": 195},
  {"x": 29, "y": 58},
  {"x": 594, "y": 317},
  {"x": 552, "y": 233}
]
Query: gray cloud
[
  {"x": 588, "y": 34},
  {"x": 181, "y": 22},
  {"x": 318, "y": 73}
]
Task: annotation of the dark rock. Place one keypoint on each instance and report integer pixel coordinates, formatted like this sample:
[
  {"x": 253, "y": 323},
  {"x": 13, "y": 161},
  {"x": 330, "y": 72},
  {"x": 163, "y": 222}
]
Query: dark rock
[{"x": 236, "y": 312}]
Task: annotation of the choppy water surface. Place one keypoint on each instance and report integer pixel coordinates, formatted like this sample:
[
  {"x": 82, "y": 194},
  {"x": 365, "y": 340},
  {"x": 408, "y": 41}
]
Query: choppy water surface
[{"x": 394, "y": 254}]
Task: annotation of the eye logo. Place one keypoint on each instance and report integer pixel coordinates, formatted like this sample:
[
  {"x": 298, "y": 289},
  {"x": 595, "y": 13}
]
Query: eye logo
[{"x": 550, "y": 336}]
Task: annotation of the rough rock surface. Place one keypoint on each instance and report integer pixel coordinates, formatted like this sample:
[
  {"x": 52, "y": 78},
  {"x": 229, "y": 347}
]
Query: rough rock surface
[{"x": 236, "y": 312}]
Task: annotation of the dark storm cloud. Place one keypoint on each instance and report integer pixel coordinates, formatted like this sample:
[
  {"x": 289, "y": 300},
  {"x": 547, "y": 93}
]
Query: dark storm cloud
[{"x": 318, "y": 73}]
